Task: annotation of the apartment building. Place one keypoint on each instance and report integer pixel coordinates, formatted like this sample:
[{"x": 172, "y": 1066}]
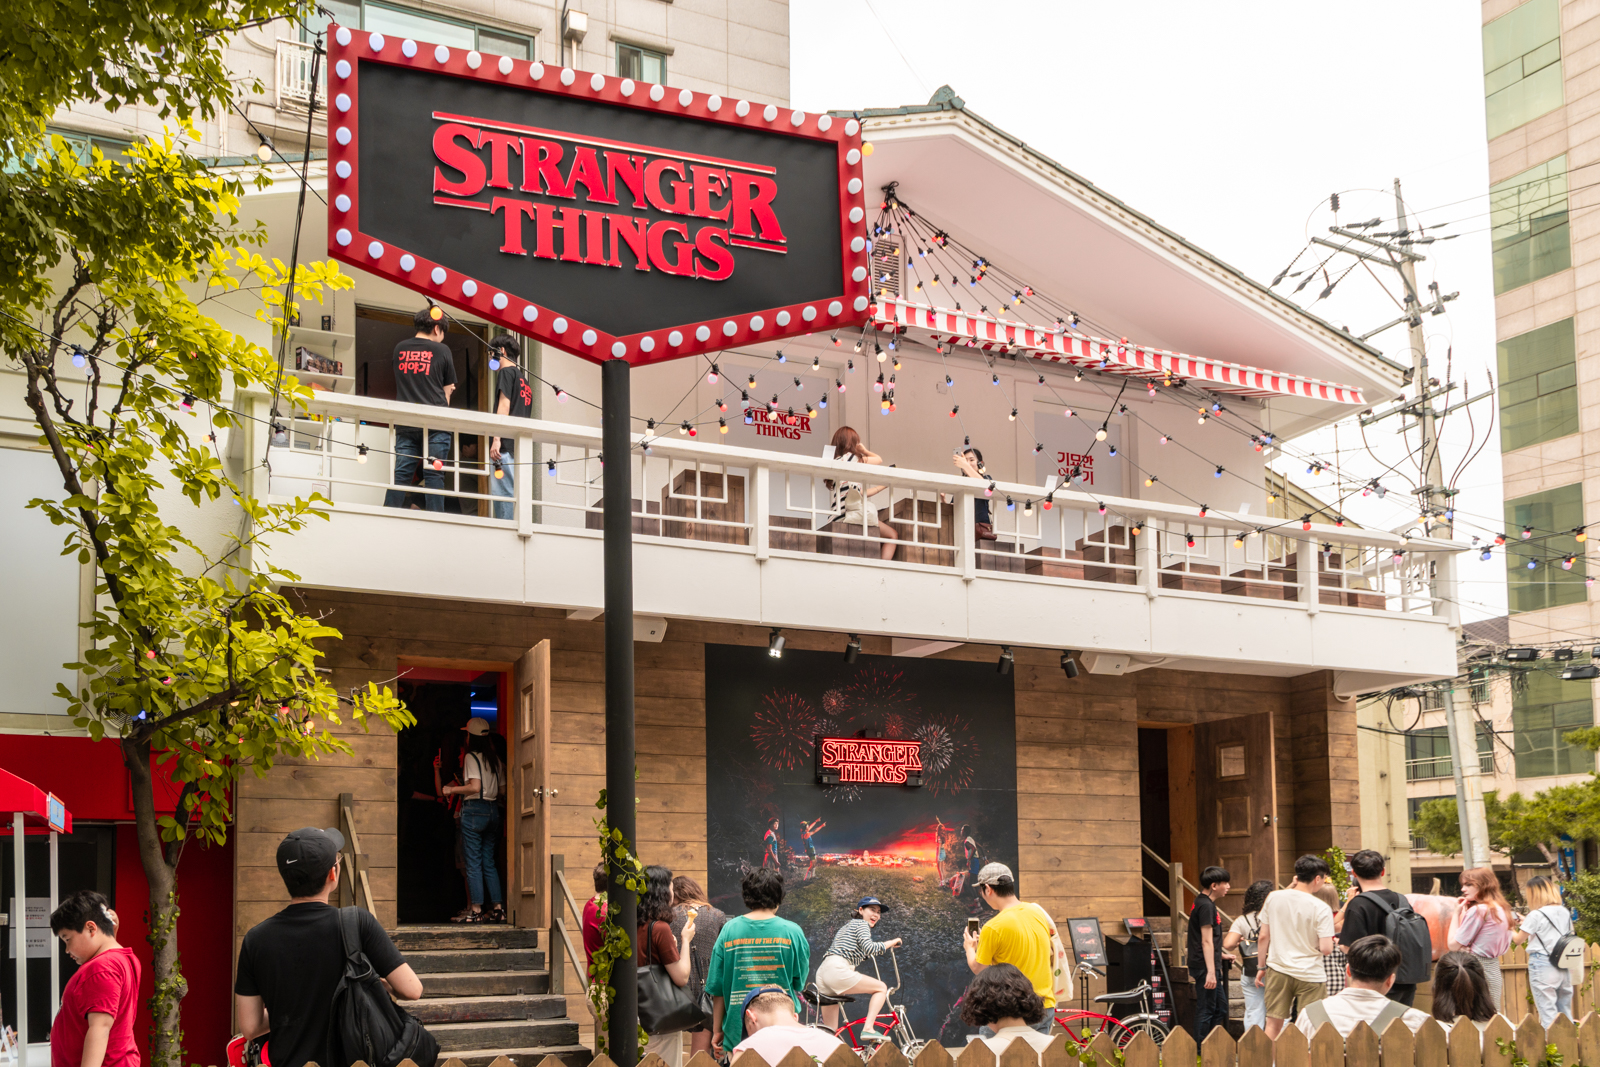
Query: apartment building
[
  {"x": 1139, "y": 663},
  {"x": 1542, "y": 98}
]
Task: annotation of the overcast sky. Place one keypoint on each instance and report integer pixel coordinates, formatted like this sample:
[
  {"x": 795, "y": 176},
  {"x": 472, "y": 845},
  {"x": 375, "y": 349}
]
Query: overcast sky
[{"x": 1231, "y": 123}]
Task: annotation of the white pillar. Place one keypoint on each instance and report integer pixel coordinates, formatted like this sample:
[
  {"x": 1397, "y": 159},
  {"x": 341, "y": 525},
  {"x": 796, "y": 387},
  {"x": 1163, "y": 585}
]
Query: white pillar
[
  {"x": 55, "y": 949},
  {"x": 19, "y": 923}
]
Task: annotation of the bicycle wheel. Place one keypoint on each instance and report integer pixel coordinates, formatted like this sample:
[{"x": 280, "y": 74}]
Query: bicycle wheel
[{"x": 1125, "y": 1032}]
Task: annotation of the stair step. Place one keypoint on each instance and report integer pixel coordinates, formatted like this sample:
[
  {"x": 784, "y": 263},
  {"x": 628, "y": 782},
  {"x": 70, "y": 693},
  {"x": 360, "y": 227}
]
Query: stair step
[
  {"x": 462, "y": 936},
  {"x": 433, "y": 961},
  {"x": 488, "y": 1008},
  {"x": 572, "y": 1055},
  {"x": 485, "y": 983},
  {"x": 533, "y": 1033}
]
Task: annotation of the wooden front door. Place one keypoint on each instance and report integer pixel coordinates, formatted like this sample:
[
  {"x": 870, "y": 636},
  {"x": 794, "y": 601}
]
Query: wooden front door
[
  {"x": 528, "y": 826},
  {"x": 1236, "y": 801}
]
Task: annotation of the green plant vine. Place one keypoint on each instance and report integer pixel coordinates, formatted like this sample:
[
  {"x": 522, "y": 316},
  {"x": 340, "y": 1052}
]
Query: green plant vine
[
  {"x": 1337, "y": 873},
  {"x": 173, "y": 987},
  {"x": 615, "y": 944},
  {"x": 1552, "y": 1055}
]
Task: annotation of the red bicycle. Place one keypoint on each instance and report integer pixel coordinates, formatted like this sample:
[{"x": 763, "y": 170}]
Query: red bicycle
[
  {"x": 1083, "y": 1025},
  {"x": 894, "y": 1024}
]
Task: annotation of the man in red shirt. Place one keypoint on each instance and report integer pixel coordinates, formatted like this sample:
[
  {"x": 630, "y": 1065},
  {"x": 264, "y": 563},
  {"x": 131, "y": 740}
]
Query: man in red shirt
[{"x": 95, "y": 1026}]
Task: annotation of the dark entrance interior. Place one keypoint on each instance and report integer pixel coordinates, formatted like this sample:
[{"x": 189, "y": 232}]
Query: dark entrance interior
[
  {"x": 1155, "y": 814},
  {"x": 430, "y": 871}
]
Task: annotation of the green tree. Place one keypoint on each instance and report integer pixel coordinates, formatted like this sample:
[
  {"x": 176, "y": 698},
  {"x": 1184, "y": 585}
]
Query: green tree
[
  {"x": 107, "y": 269},
  {"x": 1438, "y": 826},
  {"x": 1518, "y": 823}
]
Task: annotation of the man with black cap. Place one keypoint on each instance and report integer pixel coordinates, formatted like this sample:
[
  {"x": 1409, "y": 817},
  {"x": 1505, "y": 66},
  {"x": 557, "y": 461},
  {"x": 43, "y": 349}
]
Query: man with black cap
[{"x": 290, "y": 963}]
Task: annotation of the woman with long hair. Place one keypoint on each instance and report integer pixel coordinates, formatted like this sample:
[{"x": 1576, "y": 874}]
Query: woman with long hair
[
  {"x": 1547, "y": 923},
  {"x": 483, "y": 774},
  {"x": 1483, "y": 924},
  {"x": 1461, "y": 987},
  {"x": 657, "y": 945},
  {"x": 837, "y": 975},
  {"x": 1243, "y": 935},
  {"x": 690, "y": 904},
  {"x": 848, "y": 507}
]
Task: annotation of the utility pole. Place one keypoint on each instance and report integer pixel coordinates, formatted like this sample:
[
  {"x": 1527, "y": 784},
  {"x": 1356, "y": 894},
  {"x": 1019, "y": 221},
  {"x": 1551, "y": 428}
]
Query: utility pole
[{"x": 1460, "y": 726}]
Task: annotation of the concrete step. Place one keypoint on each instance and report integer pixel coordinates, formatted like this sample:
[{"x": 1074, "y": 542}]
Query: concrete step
[
  {"x": 526, "y": 1034},
  {"x": 485, "y": 983},
  {"x": 434, "y": 961},
  {"x": 462, "y": 936},
  {"x": 488, "y": 1008},
  {"x": 573, "y": 1055}
]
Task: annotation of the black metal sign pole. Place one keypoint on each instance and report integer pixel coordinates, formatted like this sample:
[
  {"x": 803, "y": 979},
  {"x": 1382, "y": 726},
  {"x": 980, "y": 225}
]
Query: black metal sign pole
[{"x": 615, "y": 432}]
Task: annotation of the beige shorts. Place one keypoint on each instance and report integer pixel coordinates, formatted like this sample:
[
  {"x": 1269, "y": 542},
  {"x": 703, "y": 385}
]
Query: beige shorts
[
  {"x": 1284, "y": 990},
  {"x": 836, "y": 977}
]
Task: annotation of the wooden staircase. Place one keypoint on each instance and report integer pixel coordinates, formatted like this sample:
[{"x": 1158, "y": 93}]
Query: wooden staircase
[{"x": 486, "y": 994}]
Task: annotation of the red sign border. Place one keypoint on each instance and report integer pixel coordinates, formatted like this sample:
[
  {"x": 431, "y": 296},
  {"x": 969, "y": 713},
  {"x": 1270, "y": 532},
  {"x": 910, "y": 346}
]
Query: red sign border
[
  {"x": 348, "y": 244},
  {"x": 822, "y": 768}
]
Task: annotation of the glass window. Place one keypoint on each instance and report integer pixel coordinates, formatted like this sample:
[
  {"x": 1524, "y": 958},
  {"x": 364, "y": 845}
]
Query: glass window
[
  {"x": 1552, "y": 516},
  {"x": 1538, "y": 386},
  {"x": 404, "y": 22},
  {"x": 1428, "y": 753},
  {"x": 1543, "y": 710},
  {"x": 641, "y": 64},
  {"x": 1522, "y": 65},
  {"x": 1528, "y": 225},
  {"x": 1413, "y": 812}
]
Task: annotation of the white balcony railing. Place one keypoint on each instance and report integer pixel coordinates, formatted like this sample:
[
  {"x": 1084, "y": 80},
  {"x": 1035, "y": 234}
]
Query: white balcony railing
[
  {"x": 778, "y": 505},
  {"x": 292, "y": 84}
]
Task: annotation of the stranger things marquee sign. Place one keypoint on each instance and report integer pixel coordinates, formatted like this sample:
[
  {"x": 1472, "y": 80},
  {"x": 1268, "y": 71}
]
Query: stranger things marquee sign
[
  {"x": 868, "y": 761},
  {"x": 607, "y": 217}
]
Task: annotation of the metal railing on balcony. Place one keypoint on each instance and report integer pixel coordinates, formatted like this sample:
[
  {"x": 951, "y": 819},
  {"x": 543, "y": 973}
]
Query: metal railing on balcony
[
  {"x": 292, "y": 84},
  {"x": 1427, "y": 767},
  {"x": 768, "y": 504}
]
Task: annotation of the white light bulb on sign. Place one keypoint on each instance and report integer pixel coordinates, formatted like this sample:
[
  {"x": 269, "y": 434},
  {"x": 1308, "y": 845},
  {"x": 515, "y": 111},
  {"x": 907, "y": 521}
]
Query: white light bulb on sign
[
  {"x": 824, "y": 123},
  {"x": 647, "y": 344},
  {"x": 342, "y": 202},
  {"x": 702, "y": 333},
  {"x": 376, "y": 42},
  {"x": 441, "y": 54},
  {"x": 408, "y": 48},
  {"x": 742, "y": 108},
  {"x": 342, "y": 68},
  {"x": 627, "y": 87},
  {"x": 685, "y": 98},
  {"x": 853, "y": 156},
  {"x": 713, "y": 103},
  {"x": 618, "y": 349},
  {"x": 505, "y": 65},
  {"x": 835, "y": 308},
  {"x": 568, "y": 75},
  {"x": 530, "y": 313},
  {"x": 408, "y": 263},
  {"x": 342, "y": 168},
  {"x": 856, "y": 214},
  {"x": 343, "y": 35},
  {"x": 342, "y": 135},
  {"x": 535, "y": 70},
  {"x": 850, "y": 127},
  {"x": 783, "y": 318},
  {"x": 343, "y": 236},
  {"x": 438, "y": 275},
  {"x": 469, "y": 288},
  {"x": 657, "y": 93},
  {"x": 500, "y": 301},
  {"x": 757, "y": 323},
  {"x": 857, "y": 243},
  {"x": 474, "y": 60},
  {"x": 342, "y": 101},
  {"x": 808, "y": 313},
  {"x": 597, "y": 82},
  {"x": 590, "y": 337},
  {"x": 797, "y": 119},
  {"x": 769, "y": 112},
  {"x": 560, "y": 325},
  {"x": 375, "y": 250}
]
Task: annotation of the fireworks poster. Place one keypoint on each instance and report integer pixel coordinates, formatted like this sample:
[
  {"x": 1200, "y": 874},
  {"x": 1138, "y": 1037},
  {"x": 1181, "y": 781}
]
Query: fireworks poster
[{"x": 916, "y": 848}]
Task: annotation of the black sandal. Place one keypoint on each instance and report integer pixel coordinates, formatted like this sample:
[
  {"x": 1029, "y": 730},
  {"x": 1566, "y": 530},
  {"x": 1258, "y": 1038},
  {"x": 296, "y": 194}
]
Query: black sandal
[{"x": 495, "y": 914}]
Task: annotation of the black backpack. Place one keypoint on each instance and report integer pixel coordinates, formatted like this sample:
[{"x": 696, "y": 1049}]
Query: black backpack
[
  {"x": 1409, "y": 932},
  {"x": 366, "y": 1024}
]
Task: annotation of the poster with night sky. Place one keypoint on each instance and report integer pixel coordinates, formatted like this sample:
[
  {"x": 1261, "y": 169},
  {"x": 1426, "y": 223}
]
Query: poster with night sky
[{"x": 916, "y": 848}]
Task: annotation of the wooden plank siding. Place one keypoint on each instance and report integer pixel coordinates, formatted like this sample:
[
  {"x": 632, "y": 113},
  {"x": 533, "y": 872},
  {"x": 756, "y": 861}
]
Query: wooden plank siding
[{"x": 1077, "y": 751}]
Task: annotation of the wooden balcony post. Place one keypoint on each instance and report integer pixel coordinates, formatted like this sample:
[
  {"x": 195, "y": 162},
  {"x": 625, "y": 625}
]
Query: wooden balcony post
[
  {"x": 558, "y": 911},
  {"x": 1180, "y": 918},
  {"x": 761, "y": 510}
]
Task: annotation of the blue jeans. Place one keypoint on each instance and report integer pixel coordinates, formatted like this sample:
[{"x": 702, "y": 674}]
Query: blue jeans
[
  {"x": 408, "y": 457},
  {"x": 479, "y": 821},
  {"x": 1551, "y": 986},
  {"x": 1255, "y": 1003},
  {"x": 1043, "y": 1025},
  {"x": 504, "y": 486}
]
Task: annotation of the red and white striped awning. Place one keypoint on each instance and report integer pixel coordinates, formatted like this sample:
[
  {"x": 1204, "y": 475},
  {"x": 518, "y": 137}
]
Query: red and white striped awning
[{"x": 963, "y": 328}]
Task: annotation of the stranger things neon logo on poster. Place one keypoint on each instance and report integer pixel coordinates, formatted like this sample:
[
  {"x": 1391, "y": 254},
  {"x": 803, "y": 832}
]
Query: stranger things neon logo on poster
[
  {"x": 606, "y": 217},
  {"x": 868, "y": 761}
]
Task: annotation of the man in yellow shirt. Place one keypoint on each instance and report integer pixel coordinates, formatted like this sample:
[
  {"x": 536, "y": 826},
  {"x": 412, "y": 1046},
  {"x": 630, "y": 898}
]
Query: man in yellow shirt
[{"x": 1019, "y": 934}]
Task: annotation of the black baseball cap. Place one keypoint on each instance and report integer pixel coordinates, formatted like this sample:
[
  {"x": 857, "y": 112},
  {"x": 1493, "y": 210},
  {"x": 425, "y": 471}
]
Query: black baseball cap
[
  {"x": 306, "y": 856},
  {"x": 871, "y": 902},
  {"x": 758, "y": 991}
]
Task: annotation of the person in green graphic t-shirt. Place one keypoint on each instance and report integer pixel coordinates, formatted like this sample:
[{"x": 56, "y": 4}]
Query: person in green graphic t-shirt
[{"x": 755, "y": 949}]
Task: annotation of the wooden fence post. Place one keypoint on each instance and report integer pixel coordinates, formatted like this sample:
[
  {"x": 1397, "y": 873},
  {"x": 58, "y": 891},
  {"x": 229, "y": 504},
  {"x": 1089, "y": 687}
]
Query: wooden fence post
[
  {"x": 1430, "y": 1044},
  {"x": 1361, "y": 1047},
  {"x": 1530, "y": 1039},
  {"x": 1141, "y": 1052},
  {"x": 1466, "y": 1045},
  {"x": 1290, "y": 1048},
  {"x": 1255, "y": 1048},
  {"x": 1178, "y": 1049},
  {"x": 1498, "y": 1033},
  {"x": 1398, "y": 1045},
  {"x": 1218, "y": 1049},
  {"x": 1564, "y": 1036},
  {"x": 1589, "y": 1039},
  {"x": 1325, "y": 1049}
]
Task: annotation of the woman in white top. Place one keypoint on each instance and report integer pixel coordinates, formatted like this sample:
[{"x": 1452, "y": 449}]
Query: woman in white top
[
  {"x": 1242, "y": 936},
  {"x": 1547, "y": 923},
  {"x": 1461, "y": 991},
  {"x": 484, "y": 774},
  {"x": 1002, "y": 1003},
  {"x": 848, "y": 507}
]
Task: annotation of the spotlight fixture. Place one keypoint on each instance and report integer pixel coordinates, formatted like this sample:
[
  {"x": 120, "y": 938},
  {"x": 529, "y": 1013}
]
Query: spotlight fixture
[
  {"x": 852, "y": 648},
  {"x": 1006, "y": 662},
  {"x": 1069, "y": 666},
  {"x": 775, "y": 643}
]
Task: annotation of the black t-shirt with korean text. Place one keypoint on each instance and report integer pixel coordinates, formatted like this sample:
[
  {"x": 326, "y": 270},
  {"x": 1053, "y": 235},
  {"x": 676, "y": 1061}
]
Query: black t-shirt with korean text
[
  {"x": 1204, "y": 914},
  {"x": 422, "y": 368},
  {"x": 512, "y": 383}
]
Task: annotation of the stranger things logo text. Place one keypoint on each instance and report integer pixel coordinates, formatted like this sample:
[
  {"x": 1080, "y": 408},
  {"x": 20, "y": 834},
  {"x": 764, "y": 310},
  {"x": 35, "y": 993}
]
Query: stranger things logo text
[
  {"x": 866, "y": 761},
  {"x": 568, "y": 197}
]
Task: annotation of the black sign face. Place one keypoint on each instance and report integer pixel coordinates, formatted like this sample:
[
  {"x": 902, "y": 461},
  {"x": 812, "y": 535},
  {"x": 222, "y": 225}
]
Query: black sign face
[
  {"x": 606, "y": 217},
  {"x": 1087, "y": 943}
]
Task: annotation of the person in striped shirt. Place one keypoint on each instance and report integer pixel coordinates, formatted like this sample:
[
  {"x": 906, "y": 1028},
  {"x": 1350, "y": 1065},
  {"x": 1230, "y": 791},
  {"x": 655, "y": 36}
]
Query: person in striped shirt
[{"x": 837, "y": 975}]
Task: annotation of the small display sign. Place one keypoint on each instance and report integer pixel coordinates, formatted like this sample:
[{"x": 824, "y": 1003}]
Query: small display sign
[
  {"x": 1087, "y": 943},
  {"x": 55, "y": 813},
  {"x": 868, "y": 761}
]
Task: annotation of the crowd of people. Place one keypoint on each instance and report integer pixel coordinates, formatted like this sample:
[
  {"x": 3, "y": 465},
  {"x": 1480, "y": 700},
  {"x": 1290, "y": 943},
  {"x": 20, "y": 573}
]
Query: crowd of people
[{"x": 1306, "y": 955}]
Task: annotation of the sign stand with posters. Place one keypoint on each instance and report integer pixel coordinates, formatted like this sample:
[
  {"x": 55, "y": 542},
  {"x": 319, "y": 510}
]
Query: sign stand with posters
[
  {"x": 622, "y": 222},
  {"x": 33, "y": 812}
]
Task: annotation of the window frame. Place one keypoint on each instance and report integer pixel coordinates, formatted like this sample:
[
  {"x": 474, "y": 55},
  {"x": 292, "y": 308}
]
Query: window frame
[
  {"x": 478, "y": 28},
  {"x": 1540, "y": 57},
  {"x": 1547, "y": 584},
  {"x": 1546, "y": 399},
  {"x": 644, "y": 54},
  {"x": 1523, "y": 222}
]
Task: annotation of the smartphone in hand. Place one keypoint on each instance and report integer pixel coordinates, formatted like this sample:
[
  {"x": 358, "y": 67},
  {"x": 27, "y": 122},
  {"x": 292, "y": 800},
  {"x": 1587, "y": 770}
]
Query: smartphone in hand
[{"x": 973, "y": 925}]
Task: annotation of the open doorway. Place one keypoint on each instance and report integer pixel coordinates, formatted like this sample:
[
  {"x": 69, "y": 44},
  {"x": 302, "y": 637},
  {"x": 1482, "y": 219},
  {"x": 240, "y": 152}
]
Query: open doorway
[{"x": 430, "y": 867}]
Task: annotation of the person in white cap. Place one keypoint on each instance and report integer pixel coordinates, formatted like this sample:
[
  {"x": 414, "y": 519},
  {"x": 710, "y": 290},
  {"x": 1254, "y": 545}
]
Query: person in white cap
[
  {"x": 483, "y": 773},
  {"x": 1019, "y": 934}
]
